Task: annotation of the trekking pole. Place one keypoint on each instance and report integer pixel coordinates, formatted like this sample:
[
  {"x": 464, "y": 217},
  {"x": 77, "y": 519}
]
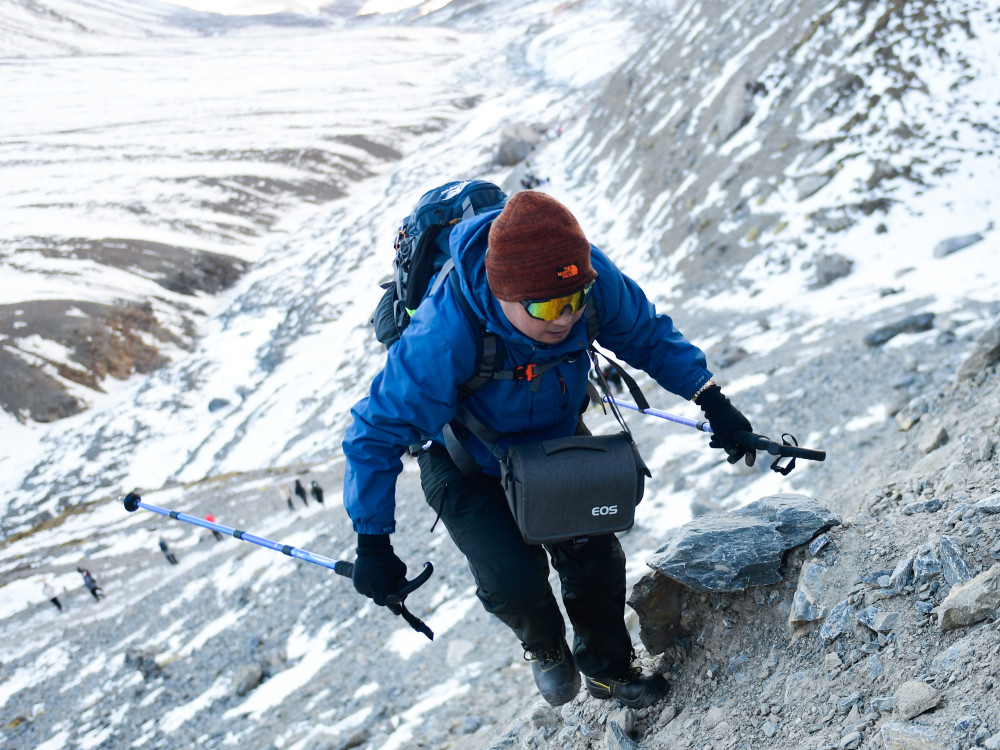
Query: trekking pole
[
  {"x": 394, "y": 602},
  {"x": 787, "y": 448}
]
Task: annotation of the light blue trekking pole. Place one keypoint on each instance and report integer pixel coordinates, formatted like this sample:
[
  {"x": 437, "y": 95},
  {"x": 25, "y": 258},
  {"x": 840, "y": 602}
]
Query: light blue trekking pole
[{"x": 394, "y": 601}]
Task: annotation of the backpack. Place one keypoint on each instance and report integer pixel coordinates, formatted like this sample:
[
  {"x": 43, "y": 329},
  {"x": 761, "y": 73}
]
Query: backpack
[{"x": 422, "y": 250}]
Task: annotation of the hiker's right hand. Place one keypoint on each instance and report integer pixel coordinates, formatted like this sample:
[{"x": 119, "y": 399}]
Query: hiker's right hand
[
  {"x": 726, "y": 420},
  {"x": 377, "y": 571}
]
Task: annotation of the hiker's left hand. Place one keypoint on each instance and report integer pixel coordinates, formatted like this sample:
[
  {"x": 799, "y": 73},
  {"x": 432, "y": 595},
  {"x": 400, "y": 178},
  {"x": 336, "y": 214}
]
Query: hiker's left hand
[{"x": 726, "y": 421}]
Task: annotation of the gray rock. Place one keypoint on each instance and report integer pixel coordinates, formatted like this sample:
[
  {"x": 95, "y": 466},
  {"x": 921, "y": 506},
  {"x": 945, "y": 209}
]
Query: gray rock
[
  {"x": 902, "y": 575},
  {"x": 517, "y": 141},
  {"x": 926, "y": 564},
  {"x": 544, "y": 715},
  {"x": 470, "y": 725},
  {"x": 967, "y": 724},
  {"x": 617, "y": 739},
  {"x": 883, "y": 703},
  {"x": 851, "y": 740},
  {"x": 829, "y": 268},
  {"x": 822, "y": 541},
  {"x": 811, "y": 184},
  {"x": 217, "y": 403},
  {"x": 914, "y": 698},
  {"x": 931, "y": 438},
  {"x": 925, "y": 506},
  {"x": 909, "y": 737},
  {"x": 877, "y": 620},
  {"x": 625, "y": 718},
  {"x": 912, "y": 324},
  {"x": 985, "y": 353},
  {"x": 742, "y": 548},
  {"x": 770, "y": 728},
  {"x": 972, "y": 601},
  {"x": 247, "y": 678},
  {"x": 954, "y": 244},
  {"x": 989, "y": 505},
  {"x": 849, "y": 703},
  {"x": 806, "y": 604},
  {"x": 953, "y": 565},
  {"x": 727, "y": 354},
  {"x": 838, "y": 621},
  {"x": 874, "y": 665}
]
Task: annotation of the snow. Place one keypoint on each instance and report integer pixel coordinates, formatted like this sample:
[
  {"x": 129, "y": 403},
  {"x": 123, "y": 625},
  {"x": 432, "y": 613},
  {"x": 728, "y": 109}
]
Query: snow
[{"x": 284, "y": 684}]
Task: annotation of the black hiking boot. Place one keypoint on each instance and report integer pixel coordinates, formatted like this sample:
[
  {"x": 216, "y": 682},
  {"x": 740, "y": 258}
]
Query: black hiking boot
[
  {"x": 555, "y": 672},
  {"x": 630, "y": 689}
]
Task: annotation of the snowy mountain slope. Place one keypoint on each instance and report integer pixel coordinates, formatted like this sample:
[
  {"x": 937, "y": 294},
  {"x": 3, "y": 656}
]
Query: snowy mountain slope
[
  {"x": 59, "y": 27},
  {"x": 158, "y": 174},
  {"x": 239, "y": 646},
  {"x": 312, "y": 284},
  {"x": 33, "y": 28}
]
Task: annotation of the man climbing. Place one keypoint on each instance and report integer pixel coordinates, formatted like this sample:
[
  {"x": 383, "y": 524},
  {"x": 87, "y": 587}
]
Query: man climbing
[{"x": 529, "y": 273}]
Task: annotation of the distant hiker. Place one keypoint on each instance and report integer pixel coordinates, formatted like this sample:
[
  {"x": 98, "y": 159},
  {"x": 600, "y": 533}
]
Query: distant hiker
[
  {"x": 612, "y": 377},
  {"x": 88, "y": 580},
  {"x": 211, "y": 519},
  {"x": 301, "y": 492},
  {"x": 166, "y": 552},
  {"x": 529, "y": 274},
  {"x": 286, "y": 493},
  {"x": 317, "y": 492},
  {"x": 50, "y": 594},
  {"x": 530, "y": 181}
]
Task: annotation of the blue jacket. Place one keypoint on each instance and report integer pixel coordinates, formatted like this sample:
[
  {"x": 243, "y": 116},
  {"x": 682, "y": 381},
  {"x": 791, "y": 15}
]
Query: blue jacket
[{"x": 416, "y": 394}]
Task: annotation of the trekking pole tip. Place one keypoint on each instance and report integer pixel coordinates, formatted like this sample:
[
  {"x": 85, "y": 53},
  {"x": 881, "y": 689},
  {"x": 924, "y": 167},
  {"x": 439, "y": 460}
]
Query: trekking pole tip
[{"x": 131, "y": 501}]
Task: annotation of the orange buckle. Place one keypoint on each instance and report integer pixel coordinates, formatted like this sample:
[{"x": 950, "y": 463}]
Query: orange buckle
[{"x": 526, "y": 372}]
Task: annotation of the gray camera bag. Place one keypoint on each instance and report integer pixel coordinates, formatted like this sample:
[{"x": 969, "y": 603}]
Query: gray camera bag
[{"x": 573, "y": 487}]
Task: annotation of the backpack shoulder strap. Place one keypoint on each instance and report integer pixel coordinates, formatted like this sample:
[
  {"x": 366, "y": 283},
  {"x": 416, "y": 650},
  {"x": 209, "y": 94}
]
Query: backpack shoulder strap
[
  {"x": 489, "y": 346},
  {"x": 593, "y": 319}
]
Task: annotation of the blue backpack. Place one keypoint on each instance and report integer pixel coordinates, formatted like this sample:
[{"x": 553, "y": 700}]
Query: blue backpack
[{"x": 422, "y": 250}]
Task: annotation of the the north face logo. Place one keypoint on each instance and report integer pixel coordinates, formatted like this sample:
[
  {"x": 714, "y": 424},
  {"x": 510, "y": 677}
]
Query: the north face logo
[{"x": 568, "y": 272}]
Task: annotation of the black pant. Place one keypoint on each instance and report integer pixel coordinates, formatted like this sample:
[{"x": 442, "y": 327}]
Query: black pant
[{"x": 512, "y": 576}]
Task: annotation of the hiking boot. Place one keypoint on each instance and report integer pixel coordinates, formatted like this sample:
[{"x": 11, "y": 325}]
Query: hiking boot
[
  {"x": 630, "y": 689},
  {"x": 555, "y": 672}
]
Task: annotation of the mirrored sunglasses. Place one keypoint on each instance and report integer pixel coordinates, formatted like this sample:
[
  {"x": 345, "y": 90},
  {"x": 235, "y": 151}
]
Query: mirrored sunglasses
[{"x": 550, "y": 309}]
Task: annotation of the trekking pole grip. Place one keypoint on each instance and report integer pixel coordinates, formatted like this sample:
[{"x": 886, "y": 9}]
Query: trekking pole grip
[
  {"x": 395, "y": 602},
  {"x": 764, "y": 443},
  {"x": 343, "y": 568}
]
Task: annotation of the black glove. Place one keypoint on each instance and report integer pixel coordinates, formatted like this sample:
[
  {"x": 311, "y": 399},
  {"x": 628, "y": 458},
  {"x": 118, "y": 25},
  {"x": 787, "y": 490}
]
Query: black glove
[
  {"x": 726, "y": 420},
  {"x": 377, "y": 571}
]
